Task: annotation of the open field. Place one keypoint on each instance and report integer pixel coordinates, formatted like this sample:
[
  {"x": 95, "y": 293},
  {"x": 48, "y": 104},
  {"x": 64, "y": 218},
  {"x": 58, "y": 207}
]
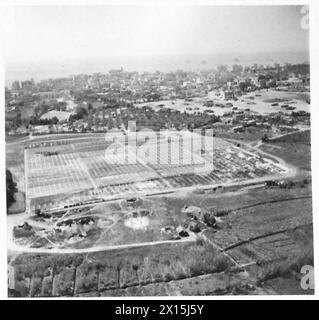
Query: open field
[
  {"x": 249, "y": 135},
  {"x": 262, "y": 103},
  {"x": 259, "y": 101},
  {"x": 294, "y": 148},
  {"x": 298, "y": 155},
  {"x": 105, "y": 226},
  {"x": 15, "y": 138}
]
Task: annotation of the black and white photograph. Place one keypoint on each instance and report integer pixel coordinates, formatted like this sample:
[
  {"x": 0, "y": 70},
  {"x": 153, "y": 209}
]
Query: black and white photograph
[{"x": 157, "y": 150}]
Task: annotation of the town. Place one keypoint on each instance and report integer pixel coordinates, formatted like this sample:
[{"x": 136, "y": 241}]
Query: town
[{"x": 237, "y": 99}]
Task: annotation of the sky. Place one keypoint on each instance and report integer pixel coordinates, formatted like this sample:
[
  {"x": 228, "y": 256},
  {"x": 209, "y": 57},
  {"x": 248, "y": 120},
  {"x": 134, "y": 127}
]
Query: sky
[{"x": 83, "y": 33}]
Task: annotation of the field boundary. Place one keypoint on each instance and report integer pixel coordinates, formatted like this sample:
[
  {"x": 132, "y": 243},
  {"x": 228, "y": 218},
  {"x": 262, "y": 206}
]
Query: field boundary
[{"x": 237, "y": 244}]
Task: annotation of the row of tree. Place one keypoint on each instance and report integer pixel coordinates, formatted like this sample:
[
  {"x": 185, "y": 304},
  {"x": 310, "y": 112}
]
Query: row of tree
[{"x": 11, "y": 188}]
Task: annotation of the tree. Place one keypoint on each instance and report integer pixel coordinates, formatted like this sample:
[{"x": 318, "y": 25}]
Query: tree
[
  {"x": 18, "y": 120},
  {"x": 237, "y": 68},
  {"x": 222, "y": 68},
  {"x": 81, "y": 112},
  {"x": 54, "y": 120},
  {"x": 243, "y": 86},
  {"x": 11, "y": 188},
  {"x": 265, "y": 138}
]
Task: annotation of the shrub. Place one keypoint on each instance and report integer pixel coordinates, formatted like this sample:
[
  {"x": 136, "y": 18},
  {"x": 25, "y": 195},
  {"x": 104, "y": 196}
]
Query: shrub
[
  {"x": 222, "y": 212},
  {"x": 209, "y": 219}
]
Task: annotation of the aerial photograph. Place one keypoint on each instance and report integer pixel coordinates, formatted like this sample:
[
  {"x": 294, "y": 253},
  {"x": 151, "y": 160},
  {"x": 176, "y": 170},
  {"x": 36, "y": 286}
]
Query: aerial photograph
[{"x": 155, "y": 151}]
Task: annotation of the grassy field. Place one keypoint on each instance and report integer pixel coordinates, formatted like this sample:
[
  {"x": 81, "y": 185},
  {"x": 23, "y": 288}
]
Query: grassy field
[
  {"x": 263, "y": 219},
  {"x": 14, "y": 155},
  {"x": 250, "y": 133},
  {"x": 297, "y": 154},
  {"x": 15, "y": 138},
  {"x": 293, "y": 148}
]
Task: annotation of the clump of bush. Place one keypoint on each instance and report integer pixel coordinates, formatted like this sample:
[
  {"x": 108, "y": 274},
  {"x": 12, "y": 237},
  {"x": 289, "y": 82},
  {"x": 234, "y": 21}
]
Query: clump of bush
[
  {"x": 23, "y": 231},
  {"x": 209, "y": 219},
  {"x": 222, "y": 212},
  {"x": 286, "y": 184}
]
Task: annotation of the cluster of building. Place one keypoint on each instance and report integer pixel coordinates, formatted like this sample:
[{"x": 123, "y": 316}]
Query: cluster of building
[{"x": 100, "y": 102}]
